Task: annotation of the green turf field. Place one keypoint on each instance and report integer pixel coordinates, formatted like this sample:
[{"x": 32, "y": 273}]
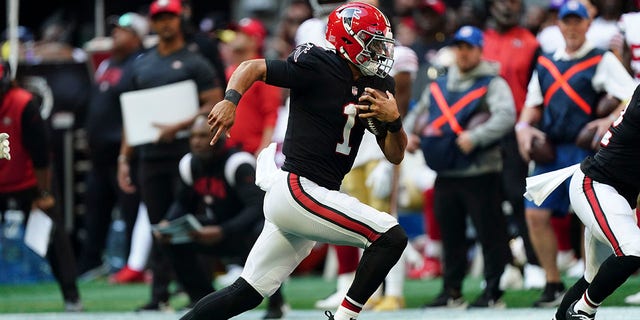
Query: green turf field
[{"x": 300, "y": 293}]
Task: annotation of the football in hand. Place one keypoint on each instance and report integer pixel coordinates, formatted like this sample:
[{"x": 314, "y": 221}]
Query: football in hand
[
  {"x": 375, "y": 126},
  {"x": 606, "y": 105},
  {"x": 477, "y": 119},
  {"x": 586, "y": 138},
  {"x": 542, "y": 151}
]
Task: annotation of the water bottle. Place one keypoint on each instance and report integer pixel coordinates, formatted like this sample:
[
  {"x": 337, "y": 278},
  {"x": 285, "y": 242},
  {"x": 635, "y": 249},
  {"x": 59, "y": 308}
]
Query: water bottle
[
  {"x": 18, "y": 263},
  {"x": 12, "y": 264},
  {"x": 117, "y": 249}
]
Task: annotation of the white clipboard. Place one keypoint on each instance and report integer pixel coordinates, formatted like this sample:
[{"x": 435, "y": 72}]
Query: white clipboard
[
  {"x": 166, "y": 104},
  {"x": 37, "y": 232}
]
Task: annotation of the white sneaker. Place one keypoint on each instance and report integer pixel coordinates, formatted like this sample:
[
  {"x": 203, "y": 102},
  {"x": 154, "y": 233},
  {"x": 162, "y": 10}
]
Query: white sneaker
[
  {"x": 331, "y": 302},
  {"x": 517, "y": 251},
  {"x": 534, "y": 277},
  {"x": 233, "y": 272},
  {"x": 577, "y": 270},
  {"x": 633, "y": 299},
  {"x": 565, "y": 260},
  {"x": 511, "y": 278}
]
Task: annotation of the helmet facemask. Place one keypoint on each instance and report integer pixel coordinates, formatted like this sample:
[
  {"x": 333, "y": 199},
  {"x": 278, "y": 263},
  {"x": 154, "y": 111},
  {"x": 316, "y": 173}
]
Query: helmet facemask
[{"x": 376, "y": 58}]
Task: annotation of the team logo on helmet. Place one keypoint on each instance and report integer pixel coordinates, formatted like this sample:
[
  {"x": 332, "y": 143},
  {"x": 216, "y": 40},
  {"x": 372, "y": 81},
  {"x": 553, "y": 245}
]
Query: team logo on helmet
[{"x": 349, "y": 14}]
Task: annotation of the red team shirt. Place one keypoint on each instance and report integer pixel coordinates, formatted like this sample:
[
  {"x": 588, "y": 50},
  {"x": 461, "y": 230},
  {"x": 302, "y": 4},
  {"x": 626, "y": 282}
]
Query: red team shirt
[{"x": 515, "y": 50}]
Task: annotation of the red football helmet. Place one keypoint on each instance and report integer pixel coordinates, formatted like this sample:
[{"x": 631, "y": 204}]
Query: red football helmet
[{"x": 362, "y": 35}]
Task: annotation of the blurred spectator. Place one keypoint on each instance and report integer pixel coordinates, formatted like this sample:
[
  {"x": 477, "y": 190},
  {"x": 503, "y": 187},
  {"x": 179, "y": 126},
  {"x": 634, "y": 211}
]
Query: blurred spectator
[
  {"x": 104, "y": 133},
  {"x": 258, "y": 111},
  {"x": 430, "y": 19},
  {"x": 55, "y": 43},
  {"x": 217, "y": 186},
  {"x": 504, "y": 37},
  {"x": 169, "y": 62},
  {"x": 550, "y": 37},
  {"x": 471, "y": 13},
  {"x": 313, "y": 30},
  {"x": 564, "y": 89},
  {"x": 200, "y": 42},
  {"x": 294, "y": 15},
  {"x": 605, "y": 25},
  {"x": 534, "y": 17},
  {"x": 466, "y": 156},
  {"x": 405, "y": 31},
  {"x": 25, "y": 40},
  {"x": 403, "y": 8},
  {"x": 630, "y": 44},
  {"x": 26, "y": 179}
]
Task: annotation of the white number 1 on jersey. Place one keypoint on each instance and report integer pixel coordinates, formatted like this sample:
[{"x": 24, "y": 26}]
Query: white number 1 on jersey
[{"x": 350, "y": 111}]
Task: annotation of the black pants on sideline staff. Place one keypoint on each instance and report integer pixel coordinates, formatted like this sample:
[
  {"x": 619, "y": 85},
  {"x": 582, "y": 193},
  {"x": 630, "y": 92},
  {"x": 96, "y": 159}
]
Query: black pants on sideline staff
[
  {"x": 159, "y": 182},
  {"x": 479, "y": 198},
  {"x": 514, "y": 175},
  {"x": 103, "y": 194},
  {"x": 60, "y": 253}
]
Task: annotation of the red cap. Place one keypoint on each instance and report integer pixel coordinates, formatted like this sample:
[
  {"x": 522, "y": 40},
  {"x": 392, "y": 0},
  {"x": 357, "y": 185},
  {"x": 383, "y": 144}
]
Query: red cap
[
  {"x": 436, "y": 5},
  {"x": 253, "y": 28},
  {"x": 170, "y": 6}
]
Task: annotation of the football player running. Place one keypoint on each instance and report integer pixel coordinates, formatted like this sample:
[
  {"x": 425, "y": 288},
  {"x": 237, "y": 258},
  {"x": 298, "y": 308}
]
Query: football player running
[
  {"x": 302, "y": 203},
  {"x": 603, "y": 194}
]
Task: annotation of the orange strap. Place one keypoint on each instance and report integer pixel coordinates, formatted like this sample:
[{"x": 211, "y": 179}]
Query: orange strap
[
  {"x": 448, "y": 113},
  {"x": 562, "y": 80}
]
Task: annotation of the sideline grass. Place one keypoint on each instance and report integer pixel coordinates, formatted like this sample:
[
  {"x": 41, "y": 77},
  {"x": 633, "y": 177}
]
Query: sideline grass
[{"x": 300, "y": 293}]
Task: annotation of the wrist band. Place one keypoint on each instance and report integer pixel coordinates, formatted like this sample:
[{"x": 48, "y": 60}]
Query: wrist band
[
  {"x": 521, "y": 125},
  {"x": 395, "y": 125},
  {"x": 123, "y": 158},
  {"x": 232, "y": 96}
]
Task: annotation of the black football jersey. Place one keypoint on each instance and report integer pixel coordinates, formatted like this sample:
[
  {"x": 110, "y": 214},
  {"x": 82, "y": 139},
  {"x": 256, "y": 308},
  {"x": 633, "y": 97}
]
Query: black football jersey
[
  {"x": 323, "y": 134},
  {"x": 617, "y": 163}
]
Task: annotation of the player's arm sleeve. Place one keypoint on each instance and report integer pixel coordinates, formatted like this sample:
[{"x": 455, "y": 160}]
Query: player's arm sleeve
[
  {"x": 35, "y": 135},
  {"x": 301, "y": 69},
  {"x": 612, "y": 77},
  {"x": 251, "y": 196},
  {"x": 534, "y": 92}
]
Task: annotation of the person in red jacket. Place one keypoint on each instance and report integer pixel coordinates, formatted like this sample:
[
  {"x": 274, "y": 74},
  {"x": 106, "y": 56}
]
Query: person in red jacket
[
  {"x": 258, "y": 111},
  {"x": 26, "y": 178}
]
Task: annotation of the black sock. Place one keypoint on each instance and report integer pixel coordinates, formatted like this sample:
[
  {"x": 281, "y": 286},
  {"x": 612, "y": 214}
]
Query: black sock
[
  {"x": 376, "y": 262},
  {"x": 277, "y": 299},
  {"x": 231, "y": 301},
  {"x": 612, "y": 274},
  {"x": 574, "y": 293}
]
